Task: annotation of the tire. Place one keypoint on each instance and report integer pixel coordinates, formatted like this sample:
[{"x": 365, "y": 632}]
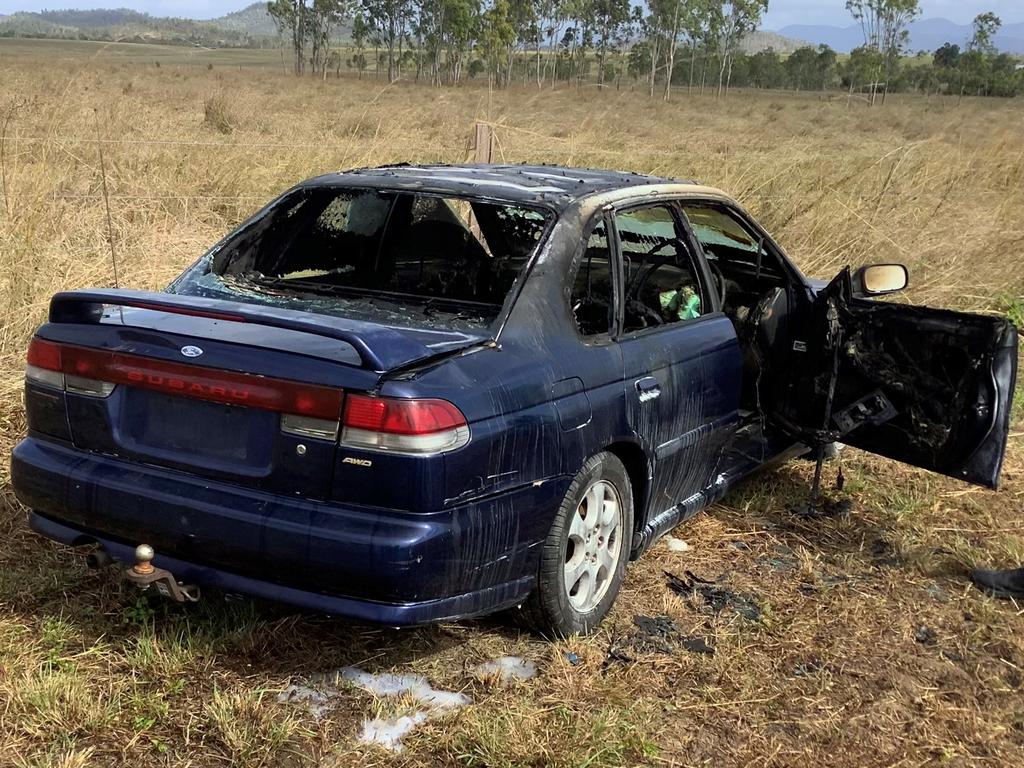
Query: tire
[{"x": 590, "y": 553}]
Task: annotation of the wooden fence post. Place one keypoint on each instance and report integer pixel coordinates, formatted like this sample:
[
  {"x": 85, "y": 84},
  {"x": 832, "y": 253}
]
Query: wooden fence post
[
  {"x": 483, "y": 149},
  {"x": 483, "y": 143}
]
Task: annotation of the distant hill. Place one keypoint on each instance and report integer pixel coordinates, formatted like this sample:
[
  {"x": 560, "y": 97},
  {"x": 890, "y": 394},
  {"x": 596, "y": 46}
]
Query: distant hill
[
  {"x": 251, "y": 26},
  {"x": 763, "y": 39},
  {"x": 32, "y": 24},
  {"x": 925, "y": 35},
  {"x": 97, "y": 19},
  {"x": 252, "y": 20}
]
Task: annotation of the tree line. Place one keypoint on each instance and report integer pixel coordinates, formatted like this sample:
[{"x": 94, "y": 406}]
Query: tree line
[{"x": 664, "y": 45}]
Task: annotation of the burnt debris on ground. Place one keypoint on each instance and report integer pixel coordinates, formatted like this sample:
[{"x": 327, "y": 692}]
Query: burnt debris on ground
[
  {"x": 716, "y": 598},
  {"x": 655, "y": 635}
]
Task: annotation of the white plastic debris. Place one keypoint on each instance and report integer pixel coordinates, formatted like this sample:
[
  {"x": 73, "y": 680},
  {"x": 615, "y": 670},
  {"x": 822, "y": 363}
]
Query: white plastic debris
[
  {"x": 323, "y": 689},
  {"x": 507, "y": 668},
  {"x": 389, "y": 733},
  {"x": 318, "y": 702},
  {"x": 676, "y": 545}
]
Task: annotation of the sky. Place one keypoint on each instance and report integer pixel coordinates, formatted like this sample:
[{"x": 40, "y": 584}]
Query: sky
[{"x": 781, "y": 13}]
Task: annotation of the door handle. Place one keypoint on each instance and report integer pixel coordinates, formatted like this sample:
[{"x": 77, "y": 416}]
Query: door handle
[{"x": 648, "y": 388}]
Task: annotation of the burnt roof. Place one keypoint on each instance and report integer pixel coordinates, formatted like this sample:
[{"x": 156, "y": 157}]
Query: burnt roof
[{"x": 553, "y": 185}]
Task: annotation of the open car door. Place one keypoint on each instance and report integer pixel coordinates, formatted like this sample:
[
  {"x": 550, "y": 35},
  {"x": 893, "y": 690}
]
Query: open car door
[{"x": 927, "y": 387}]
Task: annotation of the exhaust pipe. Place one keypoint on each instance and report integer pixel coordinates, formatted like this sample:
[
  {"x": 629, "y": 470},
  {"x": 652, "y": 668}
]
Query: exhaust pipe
[{"x": 98, "y": 559}]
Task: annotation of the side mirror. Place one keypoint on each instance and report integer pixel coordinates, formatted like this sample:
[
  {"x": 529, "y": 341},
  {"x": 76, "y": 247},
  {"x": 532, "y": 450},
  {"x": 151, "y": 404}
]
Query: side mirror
[{"x": 879, "y": 280}]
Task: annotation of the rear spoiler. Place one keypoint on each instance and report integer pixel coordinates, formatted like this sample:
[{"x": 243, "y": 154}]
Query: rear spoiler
[{"x": 379, "y": 347}]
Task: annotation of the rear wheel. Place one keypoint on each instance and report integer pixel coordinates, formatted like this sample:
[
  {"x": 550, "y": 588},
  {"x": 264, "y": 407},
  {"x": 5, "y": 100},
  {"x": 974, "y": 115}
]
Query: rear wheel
[{"x": 583, "y": 560}]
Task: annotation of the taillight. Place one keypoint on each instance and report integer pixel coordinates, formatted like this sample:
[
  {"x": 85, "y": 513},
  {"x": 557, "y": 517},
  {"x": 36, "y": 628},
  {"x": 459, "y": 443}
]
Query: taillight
[
  {"x": 44, "y": 354},
  {"x": 54, "y": 365},
  {"x": 403, "y": 425}
]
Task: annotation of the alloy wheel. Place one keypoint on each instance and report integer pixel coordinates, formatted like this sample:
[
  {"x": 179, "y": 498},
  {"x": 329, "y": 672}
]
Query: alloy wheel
[{"x": 592, "y": 551}]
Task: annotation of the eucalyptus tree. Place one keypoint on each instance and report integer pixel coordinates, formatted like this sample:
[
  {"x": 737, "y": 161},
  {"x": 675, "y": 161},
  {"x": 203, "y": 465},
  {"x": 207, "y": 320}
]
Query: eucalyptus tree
[
  {"x": 700, "y": 23},
  {"x": 767, "y": 70},
  {"x": 388, "y": 24},
  {"x": 291, "y": 16},
  {"x": 810, "y": 68},
  {"x": 828, "y": 61},
  {"x": 627, "y": 40},
  {"x": 976, "y": 64},
  {"x": 434, "y": 19},
  {"x": 448, "y": 30},
  {"x": 802, "y": 68},
  {"x": 651, "y": 27},
  {"x": 310, "y": 23},
  {"x": 522, "y": 15},
  {"x": 553, "y": 17},
  {"x": 543, "y": 13},
  {"x": 610, "y": 17},
  {"x": 323, "y": 20},
  {"x": 947, "y": 56},
  {"x": 359, "y": 35},
  {"x": 986, "y": 27},
  {"x": 581, "y": 40},
  {"x": 884, "y": 25},
  {"x": 739, "y": 19},
  {"x": 884, "y": 22},
  {"x": 670, "y": 13},
  {"x": 495, "y": 38}
]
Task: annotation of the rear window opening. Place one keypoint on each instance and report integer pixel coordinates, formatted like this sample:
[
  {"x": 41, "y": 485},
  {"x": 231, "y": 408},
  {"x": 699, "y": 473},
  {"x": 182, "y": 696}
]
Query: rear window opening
[{"x": 395, "y": 257}]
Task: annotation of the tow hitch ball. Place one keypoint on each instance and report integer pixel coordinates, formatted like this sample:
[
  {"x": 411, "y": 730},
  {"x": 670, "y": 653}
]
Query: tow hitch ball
[{"x": 145, "y": 575}]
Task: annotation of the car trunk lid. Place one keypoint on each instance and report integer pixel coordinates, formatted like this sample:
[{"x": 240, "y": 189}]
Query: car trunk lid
[{"x": 224, "y": 390}]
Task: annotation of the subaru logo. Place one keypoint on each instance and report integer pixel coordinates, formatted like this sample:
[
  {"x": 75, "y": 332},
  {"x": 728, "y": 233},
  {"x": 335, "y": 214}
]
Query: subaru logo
[{"x": 191, "y": 351}]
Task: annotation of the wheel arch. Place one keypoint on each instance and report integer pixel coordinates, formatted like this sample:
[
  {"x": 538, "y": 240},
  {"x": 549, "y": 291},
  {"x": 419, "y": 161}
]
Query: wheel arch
[{"x": 637, "y": 464}]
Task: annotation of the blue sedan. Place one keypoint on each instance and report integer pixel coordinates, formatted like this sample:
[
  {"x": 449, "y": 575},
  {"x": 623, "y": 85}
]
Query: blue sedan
[{"x": 418, "y": 393}]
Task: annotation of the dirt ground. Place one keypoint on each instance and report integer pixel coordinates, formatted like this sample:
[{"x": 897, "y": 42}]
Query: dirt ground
[{"x": 849, "y": 642}]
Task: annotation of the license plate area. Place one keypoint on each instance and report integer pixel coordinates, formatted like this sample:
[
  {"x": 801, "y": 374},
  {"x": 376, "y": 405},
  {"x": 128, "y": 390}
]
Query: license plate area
[{"x": 182, "y": 430}]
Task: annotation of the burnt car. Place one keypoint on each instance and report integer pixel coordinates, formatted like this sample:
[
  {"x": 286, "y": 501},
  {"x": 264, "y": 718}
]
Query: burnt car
[{"x": 416, "y": 393}]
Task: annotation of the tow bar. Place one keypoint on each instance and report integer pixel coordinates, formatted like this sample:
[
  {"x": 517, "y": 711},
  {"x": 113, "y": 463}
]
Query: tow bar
[{"x": 145, "y": 575}]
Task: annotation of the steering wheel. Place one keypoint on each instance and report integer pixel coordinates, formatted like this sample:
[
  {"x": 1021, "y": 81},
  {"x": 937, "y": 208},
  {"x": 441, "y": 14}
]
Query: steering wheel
[
  {"x": 720, "y": 279},
  {"x": 642, "y": 279},
  {"x": 648, "y": 315}
]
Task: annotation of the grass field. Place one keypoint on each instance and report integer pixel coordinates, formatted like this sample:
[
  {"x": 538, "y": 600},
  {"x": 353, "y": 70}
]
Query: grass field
[
  {"x": 871, "y": 648},
  {"x": 75, "y": 52}
]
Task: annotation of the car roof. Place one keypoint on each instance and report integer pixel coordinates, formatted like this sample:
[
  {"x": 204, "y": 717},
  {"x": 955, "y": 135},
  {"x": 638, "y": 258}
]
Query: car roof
[{"x": 551, "y": 185}]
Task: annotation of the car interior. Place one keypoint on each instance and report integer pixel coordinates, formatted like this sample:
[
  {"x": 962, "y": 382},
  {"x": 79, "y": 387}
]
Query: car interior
[
  {"x": 754, "y": 292},
  {"x": 661, "y": 286},
  {"x": 413, "y": 247}
]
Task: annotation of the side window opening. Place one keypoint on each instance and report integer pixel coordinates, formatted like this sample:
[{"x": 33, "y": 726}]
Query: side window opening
[
  {"x": 430, "y": 259},
  {"x": 592, "y": 298},
  {"x": 716, "y": 228},
  {"x": 754, "y": 288},
  {"x": 736, "y": 255},
  {"x": 661, "y": 283}
]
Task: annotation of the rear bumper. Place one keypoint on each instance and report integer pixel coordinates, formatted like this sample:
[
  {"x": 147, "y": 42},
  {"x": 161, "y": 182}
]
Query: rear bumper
[
  {"x": 392, "y": 614},
  {"x": 383, "y": 566}
]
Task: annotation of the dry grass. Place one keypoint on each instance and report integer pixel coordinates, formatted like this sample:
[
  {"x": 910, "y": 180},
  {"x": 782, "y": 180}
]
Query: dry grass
[{"x": 834, "y": 673}]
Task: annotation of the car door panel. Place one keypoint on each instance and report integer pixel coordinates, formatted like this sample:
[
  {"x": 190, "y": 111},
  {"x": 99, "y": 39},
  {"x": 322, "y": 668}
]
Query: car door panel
[
  {"x": 928, "y": 387},
  {"x": 697, "y": 367},
  {"x": 681, "y": 376}
]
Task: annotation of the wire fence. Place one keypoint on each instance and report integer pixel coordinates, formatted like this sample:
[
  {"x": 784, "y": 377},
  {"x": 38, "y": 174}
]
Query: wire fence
[
  {"x": 540, "y": 147},
  {"x": 570, "y": 145},
  {"x": 566, "y": 149}
]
